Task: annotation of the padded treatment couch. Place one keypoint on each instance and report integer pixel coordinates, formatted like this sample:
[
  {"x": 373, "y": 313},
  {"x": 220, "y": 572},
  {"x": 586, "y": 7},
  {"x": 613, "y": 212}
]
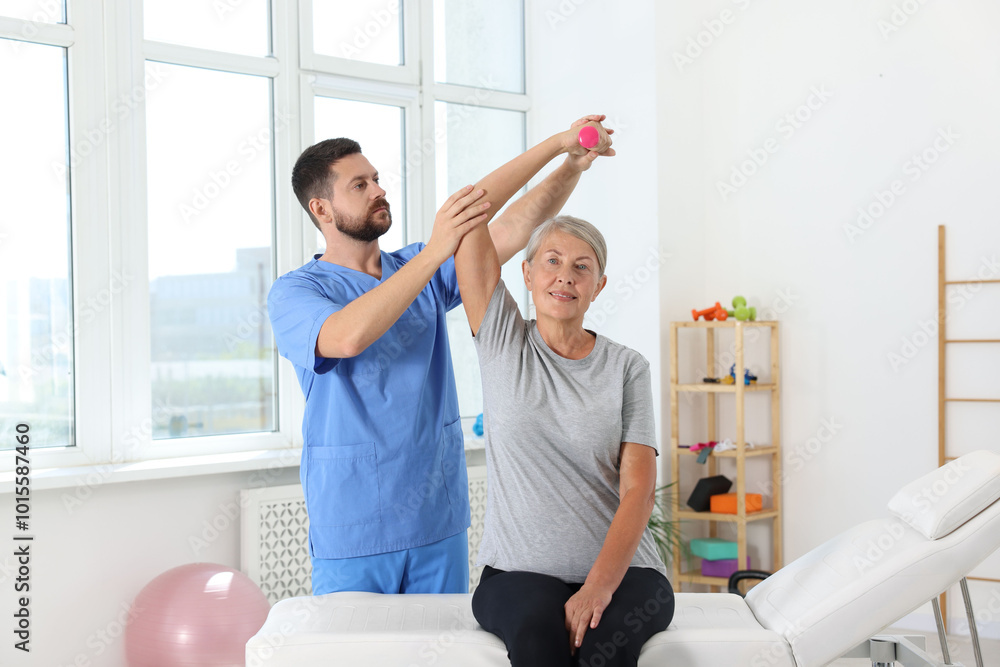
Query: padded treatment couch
[{"x": 821, "y": 606}]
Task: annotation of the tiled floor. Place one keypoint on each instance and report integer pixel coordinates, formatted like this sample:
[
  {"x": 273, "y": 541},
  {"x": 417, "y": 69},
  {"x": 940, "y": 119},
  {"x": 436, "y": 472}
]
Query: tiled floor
[{"x": 960, "y": 647}]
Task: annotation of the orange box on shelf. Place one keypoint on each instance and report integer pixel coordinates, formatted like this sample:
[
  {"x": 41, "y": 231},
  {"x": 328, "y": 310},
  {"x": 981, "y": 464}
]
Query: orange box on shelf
[{"x": 725, "y": 503}]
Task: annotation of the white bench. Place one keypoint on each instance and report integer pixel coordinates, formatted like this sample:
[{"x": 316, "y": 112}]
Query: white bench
[{"x": 826, "y": 604}]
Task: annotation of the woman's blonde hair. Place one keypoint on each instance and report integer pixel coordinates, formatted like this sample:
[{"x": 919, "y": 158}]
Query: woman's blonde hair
[{"x": 581, "y": 229}]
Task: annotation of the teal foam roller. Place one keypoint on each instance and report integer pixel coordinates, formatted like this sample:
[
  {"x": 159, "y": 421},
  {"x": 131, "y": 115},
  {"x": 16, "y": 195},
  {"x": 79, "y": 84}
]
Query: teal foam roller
[{"x": 712, "y": 548}]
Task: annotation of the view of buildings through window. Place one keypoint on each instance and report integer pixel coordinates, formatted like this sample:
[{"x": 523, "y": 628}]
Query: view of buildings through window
[{"x": 209, "y": 120}]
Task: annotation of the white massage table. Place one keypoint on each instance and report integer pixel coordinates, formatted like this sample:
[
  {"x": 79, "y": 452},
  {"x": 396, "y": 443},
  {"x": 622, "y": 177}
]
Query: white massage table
[{"x": 827, "y": 604}]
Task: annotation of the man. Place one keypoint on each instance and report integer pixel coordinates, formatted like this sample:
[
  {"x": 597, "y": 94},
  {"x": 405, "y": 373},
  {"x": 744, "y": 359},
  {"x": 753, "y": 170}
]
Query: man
[{"x": 383, "y": 464}]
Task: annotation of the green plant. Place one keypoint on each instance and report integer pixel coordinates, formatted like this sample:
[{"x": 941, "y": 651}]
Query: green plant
[{"x": 666, "y": 531}]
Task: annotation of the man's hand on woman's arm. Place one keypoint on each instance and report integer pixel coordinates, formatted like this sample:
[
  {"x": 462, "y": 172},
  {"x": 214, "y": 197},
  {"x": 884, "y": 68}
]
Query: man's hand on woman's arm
[{"x": 349, "y": 331}]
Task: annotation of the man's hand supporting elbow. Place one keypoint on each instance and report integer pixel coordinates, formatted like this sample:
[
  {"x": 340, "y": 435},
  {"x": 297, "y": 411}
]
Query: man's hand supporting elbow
[{"x": 349, "y": 331}]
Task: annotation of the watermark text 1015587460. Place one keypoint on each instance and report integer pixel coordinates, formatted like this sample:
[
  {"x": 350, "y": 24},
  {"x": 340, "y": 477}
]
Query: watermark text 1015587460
[{"x": 22, "y": 542}]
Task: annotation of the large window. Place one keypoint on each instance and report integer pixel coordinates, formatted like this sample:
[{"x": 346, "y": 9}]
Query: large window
[
  {"x": 210, "y": 227},
  {"x": 146, "y": 204},
  {"x": 426, "y": 141},
  {"x": 37, "y": 380}
]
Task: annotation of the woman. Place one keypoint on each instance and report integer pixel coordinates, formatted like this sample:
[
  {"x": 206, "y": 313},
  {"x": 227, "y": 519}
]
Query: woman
[{"x": 571, "y": 572}]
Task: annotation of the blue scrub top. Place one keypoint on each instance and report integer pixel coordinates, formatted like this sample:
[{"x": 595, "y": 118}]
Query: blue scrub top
[{"x": 383, "y": 464}]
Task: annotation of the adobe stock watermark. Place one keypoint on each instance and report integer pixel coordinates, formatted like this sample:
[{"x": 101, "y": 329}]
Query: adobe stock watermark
[
  {"x": 457, "y": 113},
  {"x": 636, "y": 620},
  {"x": 378, "y": 21},
  {"x": 434, "y": 649},
  {"x": 87, "y": 310},
  {"x": 229, "y": 513},
  {"x": 920, "y": 503},
  {"x": 134, "y": 441},
  {"x": 218, "y": 180},
  {"x": 777, "y": 653},
  {"x": 88, "y": 142},
  {"x": 991, "y": 612},
  {"x": 900, "y": 15},
  {"x": 912, "y": 170},
  {"x": 102, "y": 639},
  {"x": 224, "y": 8},
  {"x": 562, "y": 13},
  {"x": 802, "y": 453},
  {"x": 46, "y": 11},
  {"x": 786, "y": 128},
  {"x": 257, "y": 655},
  {"x": 248, "y": 329},
  {"x": 430, "y": 486},
  {"x": 712, "y": 30},
  {"x": 927, "y": 329},
  {"x": 629, "y": 285}
]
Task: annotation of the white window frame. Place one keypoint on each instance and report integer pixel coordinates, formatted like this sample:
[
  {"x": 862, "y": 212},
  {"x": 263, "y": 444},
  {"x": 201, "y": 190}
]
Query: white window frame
[
  {"x": 134, "y": 440},
  {"x": 320, "y": 84},
  {"x": 112, "y": 392}
]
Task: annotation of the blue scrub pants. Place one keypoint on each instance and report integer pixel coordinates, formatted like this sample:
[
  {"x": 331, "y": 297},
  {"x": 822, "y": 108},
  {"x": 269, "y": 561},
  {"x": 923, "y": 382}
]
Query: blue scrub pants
[{"x": 439, "y": 567}]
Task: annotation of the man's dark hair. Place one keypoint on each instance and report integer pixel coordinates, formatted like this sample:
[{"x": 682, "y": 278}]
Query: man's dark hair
[{"x": 311, "y": 176}]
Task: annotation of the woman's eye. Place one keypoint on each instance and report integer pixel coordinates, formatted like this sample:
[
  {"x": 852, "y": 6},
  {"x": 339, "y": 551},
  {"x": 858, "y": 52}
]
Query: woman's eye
[
  {"x": 552, "y": 260},
  {"x": 581, "y": 267}
]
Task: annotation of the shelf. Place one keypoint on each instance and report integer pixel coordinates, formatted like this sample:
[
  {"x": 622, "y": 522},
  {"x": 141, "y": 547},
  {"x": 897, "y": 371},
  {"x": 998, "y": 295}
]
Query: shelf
[
  {"x": 767, "y": 513},
  {"x": 713, "y": 388},
  {"x": 727, "y": 324},
  {"x": 693, "y": 578},
  {"x": 768, "y": 450},
  {"x": 731, "y": 454}
]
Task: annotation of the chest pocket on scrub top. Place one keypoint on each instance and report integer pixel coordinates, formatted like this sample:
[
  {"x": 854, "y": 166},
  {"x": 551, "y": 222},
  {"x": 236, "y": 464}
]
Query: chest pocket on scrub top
[{"x": 345, "y": 480}]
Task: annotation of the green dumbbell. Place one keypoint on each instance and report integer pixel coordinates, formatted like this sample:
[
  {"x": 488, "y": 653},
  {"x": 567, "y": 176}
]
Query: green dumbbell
[{"x": 740, "y": 310}]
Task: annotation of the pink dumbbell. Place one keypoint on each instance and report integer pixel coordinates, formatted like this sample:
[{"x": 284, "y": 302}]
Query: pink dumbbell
[{"x": 589, "y": 136}]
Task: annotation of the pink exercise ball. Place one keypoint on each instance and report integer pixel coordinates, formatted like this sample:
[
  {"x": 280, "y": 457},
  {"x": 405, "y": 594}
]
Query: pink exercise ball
[{"x": 199, "y": 614}]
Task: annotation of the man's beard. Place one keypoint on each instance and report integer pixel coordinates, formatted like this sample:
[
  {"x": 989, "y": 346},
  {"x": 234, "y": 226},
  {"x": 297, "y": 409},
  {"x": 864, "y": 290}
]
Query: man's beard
[{"x": 365, "y": 229}]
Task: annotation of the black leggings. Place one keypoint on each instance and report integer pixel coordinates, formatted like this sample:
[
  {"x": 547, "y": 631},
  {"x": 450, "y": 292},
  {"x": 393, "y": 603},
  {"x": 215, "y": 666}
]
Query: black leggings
[{"x": 525, "y": 610}]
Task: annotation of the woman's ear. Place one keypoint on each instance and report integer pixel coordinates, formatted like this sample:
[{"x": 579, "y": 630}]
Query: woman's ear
[
  {"x": 526, "y": 270},
  {"x": 600, "y": 287}
]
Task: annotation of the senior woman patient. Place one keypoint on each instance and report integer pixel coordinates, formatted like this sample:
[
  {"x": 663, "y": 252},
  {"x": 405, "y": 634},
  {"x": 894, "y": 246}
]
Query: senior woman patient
[{"x": 572, "y": 575}]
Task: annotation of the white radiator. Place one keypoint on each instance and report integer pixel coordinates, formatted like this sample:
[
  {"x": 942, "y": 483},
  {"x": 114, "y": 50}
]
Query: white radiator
[{"x": 275, "y": 537}]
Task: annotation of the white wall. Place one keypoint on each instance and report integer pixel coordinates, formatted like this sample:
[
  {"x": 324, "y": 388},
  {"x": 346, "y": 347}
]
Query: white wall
[
  {"x": 895, "y": 76},
  {"x": 591, "y": 57},
  {"x": 96, "y": 547}
]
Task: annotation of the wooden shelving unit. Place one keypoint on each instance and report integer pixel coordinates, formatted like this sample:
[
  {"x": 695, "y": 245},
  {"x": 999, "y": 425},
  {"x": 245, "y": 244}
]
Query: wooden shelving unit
[{"x": 681, "y": 489}]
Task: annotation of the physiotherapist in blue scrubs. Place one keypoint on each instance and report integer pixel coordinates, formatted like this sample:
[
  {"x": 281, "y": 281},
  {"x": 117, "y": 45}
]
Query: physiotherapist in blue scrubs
[{"x": 383, "y": 461}]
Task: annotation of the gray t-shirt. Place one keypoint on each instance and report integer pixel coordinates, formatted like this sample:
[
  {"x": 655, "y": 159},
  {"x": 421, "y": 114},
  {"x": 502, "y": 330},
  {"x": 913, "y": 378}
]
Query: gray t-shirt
[{"x": 554, "y": 429}]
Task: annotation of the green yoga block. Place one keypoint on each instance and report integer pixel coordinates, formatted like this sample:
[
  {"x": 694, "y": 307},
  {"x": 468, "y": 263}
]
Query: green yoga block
[{"x": 713, "y": 548}]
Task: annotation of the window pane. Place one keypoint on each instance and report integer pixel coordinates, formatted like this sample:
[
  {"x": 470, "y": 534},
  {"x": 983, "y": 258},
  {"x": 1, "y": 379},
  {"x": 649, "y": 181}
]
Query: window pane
[
  {"x": 366, "y": 30},
  {"x": 210, "y": 230},
  {"x": 40, "y": 11},
  {"x": 464, "y": 155},
  {"x": 234, "y": 27},
  {"x": 36, "y": 337},
  {"x": 379, "y": 130},
  {"x": 480, "y": 44}
]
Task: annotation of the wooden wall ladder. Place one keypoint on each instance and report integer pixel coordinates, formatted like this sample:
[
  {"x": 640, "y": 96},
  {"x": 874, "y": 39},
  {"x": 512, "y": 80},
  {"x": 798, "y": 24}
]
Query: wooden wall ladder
[{"x": 943, "y": 399}]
